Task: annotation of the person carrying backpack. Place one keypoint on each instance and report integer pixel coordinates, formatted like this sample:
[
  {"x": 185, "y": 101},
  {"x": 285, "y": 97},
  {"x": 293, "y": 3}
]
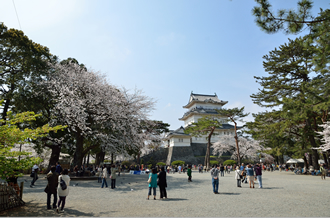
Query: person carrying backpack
[{"x": 63, "y": 190}]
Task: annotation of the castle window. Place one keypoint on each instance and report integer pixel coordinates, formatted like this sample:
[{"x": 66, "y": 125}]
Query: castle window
[{"x": 180, "y": 140}]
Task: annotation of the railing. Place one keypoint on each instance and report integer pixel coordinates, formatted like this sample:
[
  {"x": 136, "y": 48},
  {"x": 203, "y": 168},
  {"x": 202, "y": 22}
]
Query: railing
[{"x": 9, "y": 197}]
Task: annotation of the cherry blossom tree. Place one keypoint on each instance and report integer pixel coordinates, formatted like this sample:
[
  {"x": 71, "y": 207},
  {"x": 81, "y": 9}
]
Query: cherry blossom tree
[
  {"x": 326, "y": 136},
  {"x": 249, "y": 149},
  {"x": 93, "y": 110}
]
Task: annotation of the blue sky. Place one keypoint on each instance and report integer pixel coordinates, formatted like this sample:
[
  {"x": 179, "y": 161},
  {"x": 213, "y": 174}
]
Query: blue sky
[{"x": 166, "y": 48}]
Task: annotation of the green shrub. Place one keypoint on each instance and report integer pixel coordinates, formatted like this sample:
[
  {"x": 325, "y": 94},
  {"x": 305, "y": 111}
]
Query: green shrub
[
  {"x": 229, "y": 162},
  {"x": 161, "y": 164},
  {"x": 149, "y": 166},
  {"x": 178, "y": 162},
  {"x": 213, "y": 162}
]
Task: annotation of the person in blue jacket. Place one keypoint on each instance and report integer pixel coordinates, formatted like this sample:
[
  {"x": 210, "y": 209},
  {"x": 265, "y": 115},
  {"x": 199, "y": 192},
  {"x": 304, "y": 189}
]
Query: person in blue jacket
[{"x": 153, "y": 183}]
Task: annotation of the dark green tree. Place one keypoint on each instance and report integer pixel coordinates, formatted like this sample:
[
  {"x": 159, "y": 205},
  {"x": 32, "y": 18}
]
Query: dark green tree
[
  {"x": 205, "y": 126},
  {"x": 293, "y": 86},
  {"x": 23, "y": 63}
]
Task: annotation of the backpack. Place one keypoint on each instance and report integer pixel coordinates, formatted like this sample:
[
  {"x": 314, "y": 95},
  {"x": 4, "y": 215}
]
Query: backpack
[{"x": 63, "y": 184}]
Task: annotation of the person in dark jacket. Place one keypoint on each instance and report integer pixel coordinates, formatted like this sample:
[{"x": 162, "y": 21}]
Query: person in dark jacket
[
  {"x": 162, "y": 183},
  {"x": 51, "y": 188},
  {"x": 258, "y": 171}
]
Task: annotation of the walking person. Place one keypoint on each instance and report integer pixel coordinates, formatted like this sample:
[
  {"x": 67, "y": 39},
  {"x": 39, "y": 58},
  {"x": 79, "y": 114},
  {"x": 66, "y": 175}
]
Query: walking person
[
  {"x": 258, "y": 171},
  {"x": 243, "y": 173},
  {"x": 215, "y": 178},
  {"x": 238, "y": 177},
  {"x": 113, "y": 176},
  {"x": 63, "y": 193},
  {"x": 222, "y": 169},
  {"x": 51, "y": 188},
  {"x": 189, "y": 173},
  {"x": 162, "y": 183},
  {"x": 323, "y": 171},
  {"x": 34, "y": 174},
  {"x": 152, "y": 182},
  {"x": 104, "y": 177},
  {"x": 250, "y": 175}
]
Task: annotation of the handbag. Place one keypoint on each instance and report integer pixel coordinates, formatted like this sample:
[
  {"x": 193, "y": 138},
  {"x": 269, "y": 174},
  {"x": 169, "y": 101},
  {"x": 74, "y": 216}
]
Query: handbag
[
  {"x": 46, "y": 189},
  {"x": 63, "y": 184},
  {"x": 149, "y": 180},
  {"x": 240, "y": 176},
  {"x": 32, "y": 175}
]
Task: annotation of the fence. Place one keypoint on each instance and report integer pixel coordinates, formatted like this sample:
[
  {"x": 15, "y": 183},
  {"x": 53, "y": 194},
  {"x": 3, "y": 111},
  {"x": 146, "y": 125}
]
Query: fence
[{"x": 9, "y": 197}]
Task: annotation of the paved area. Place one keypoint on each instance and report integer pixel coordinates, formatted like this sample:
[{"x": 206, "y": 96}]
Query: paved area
[{"x": 284, "y": 195}]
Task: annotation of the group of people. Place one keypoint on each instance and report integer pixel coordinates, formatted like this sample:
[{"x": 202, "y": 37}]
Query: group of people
[
  {"x": 103, "y": 173},
  {"x": 58, "y": 185},
  {"x": 242, "y": 173},
  {"x": 157, "y": 179}
]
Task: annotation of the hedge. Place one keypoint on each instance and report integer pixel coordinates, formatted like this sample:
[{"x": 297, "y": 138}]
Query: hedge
[
  {"x": 178, "y": 162},
  {"x": 161, "y": 164},
  {"x": 214, "y": 162},
  {"x": 229, "y": 162}
]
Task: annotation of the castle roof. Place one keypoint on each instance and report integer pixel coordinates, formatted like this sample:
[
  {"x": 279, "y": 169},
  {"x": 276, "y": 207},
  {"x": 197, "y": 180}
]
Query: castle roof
[
  {"x": 199, "y": 111},
  {"x": 201, "y": 98},
  {"x": 180, "y": 131}
]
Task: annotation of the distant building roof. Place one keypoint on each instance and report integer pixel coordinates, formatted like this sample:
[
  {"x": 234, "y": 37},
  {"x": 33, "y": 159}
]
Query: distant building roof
[
  {"x": 198, "y": 110},
  {"x": 180, "y": 131},
  {"x": 201, "y": 98}
]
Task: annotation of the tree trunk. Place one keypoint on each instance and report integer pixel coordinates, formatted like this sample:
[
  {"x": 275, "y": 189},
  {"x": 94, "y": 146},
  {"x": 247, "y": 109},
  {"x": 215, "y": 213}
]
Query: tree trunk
[
  {"x": 237, "y": 147},
  {"x": 55, "y": 156},
  {"x": 310, "y": 159},
  {"x": 305, "y": 162},
  {"x": 325, "y": 158},
  {"x": 78, "y": 155},
  {"x": 5, "y": 109},
  {"x": 313, "y": 144},
  {"x": 99, "y": 158},
  {"x": 207, "y": 155},
  {"x": 88, "y": 159},
  {"x": 112, "y": 159},
  {"x": 138, "y": 158},
  {"x": 315, "y": 159}
]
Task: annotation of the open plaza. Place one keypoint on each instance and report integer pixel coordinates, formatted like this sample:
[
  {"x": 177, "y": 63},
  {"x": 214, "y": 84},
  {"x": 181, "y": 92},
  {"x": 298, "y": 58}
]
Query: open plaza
[{"x": 284, "y": 194}]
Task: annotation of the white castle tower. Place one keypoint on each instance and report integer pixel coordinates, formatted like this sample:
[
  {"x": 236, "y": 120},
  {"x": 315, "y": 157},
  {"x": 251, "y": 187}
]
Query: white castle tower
[{"x": 198, "y": 106}]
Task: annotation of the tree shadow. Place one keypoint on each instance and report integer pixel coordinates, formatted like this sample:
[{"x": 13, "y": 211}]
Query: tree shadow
[
  {"x": 272, "y": 188},
  {"x": 32, "y": 209},
  {"x": 228, "y": 193},
  {"x": 174, "y": 199}
]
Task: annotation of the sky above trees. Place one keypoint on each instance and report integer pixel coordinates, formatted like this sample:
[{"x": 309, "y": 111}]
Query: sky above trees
[{"x": 166, "y": 48}]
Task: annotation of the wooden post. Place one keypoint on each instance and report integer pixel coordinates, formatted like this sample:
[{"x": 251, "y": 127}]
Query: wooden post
[{"x": 21, "y": 190}]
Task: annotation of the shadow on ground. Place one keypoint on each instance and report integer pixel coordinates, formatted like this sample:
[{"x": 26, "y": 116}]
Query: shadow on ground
[{"x": 31, "y": 209}]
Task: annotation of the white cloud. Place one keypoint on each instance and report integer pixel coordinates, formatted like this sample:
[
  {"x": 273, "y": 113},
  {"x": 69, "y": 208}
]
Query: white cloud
[{"x": 168, "y": 105}]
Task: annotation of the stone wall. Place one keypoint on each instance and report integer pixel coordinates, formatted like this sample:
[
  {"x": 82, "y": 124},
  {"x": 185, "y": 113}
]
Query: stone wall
[
  {"x": 158, "y": 156},
  {"x": 181, "y": 153}
]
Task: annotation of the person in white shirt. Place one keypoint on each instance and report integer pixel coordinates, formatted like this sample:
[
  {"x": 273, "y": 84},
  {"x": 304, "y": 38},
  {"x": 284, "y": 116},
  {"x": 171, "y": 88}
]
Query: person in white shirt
[{"x": 63, "y": 193}]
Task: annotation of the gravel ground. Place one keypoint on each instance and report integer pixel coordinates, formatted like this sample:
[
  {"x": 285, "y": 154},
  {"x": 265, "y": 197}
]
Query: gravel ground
[{"x": 284, "y": 195}]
